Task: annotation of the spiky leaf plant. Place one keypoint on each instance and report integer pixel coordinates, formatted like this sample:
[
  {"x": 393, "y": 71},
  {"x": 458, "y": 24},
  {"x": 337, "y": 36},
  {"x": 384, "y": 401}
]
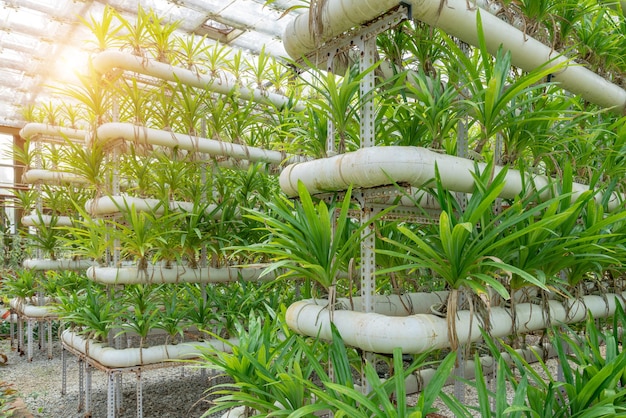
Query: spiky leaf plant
[{"x": 308, "y": 239}]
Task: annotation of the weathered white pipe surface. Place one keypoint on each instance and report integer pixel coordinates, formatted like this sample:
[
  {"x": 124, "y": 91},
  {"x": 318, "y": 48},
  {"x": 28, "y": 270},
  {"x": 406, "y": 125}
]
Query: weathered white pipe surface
[
  {"x": 420, "y": 333},
  {"x": 32, "y": 129},
  {"x": 378, "y": 166},
  {"x": 107, "y": 205},
  {"x": 394, "y": 305},
  {"x": 131, "y": 357},
  {"x": 61, "y": 264},
  {"x": 33, "y": 176},
  {"x": 110, "y": 59},
  {"x": 111, "y": 132},
  {"x": 32, "y": 311},
  {"x": 36, "y": 220},
  {"x": 455, "y": 18},
  {"x": 177, "y": 274},
  {"x": 410, "y": 303}
]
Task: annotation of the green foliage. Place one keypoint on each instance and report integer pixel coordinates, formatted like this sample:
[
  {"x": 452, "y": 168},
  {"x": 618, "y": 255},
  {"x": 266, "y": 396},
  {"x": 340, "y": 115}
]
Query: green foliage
[
  {"x": 592, "y": 384},
  {"x": 21, "y": 283},
  {"x": 309, "y": 239},
  {"x": 93, "y": 313},
  {"x": 8, "y": 396}
]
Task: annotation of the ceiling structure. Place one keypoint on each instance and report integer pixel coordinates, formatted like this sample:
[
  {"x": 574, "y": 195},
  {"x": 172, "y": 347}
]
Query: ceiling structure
[{"x": 43, "y": 42}]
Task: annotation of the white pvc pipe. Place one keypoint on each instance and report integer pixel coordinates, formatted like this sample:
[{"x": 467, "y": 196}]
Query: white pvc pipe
[
  {"x": 377, "y": 166},
  {"x": 32, "y": 129},
  {"x": 419, "y": 333},
  {"x": 131, "y": 357},
  {"x": 52, "y": 177},
  {"x": 177, "y": 274},
  {"x": 6, "y": 315},
  {"x": 62, "y": 264},
  {"x": 110, "y": 59},
  {"x": 455, "y": 18},
  {"x": 107, "y": 205},
  {"x": 394, "y": 305},
  {"x": 32, "y": 311},
  {"x": 111, "y": 132},
  {"x": 36, "y": 220}
]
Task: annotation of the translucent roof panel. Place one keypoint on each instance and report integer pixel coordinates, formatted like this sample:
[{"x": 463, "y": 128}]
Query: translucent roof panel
[{"x": 43, "y": 42}]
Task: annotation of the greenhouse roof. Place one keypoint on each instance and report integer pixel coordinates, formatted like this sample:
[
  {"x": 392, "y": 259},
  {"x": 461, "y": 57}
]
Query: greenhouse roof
[{"x": 43, "y": 42}]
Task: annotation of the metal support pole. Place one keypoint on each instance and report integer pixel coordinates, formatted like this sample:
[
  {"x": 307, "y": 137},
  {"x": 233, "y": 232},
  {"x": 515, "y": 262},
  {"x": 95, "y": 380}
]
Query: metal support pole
[
  {"x": 81, "y": 384},
  {"x": 368, "y": 282},
  {"x": 11, "y": 329},
  {"x": 89, "y": 370},
  {"x": 111, "y": 396},
  {"x": 49, "y": 339},
  {"x": 139, "y": 396},
  {"x": 20, "y": 334},
  {"x": 366, "y": 88},
  {"x": 118, "y": 392},
  {"x": 29, "y": 338},
  {"x": 63, "y": 371}
]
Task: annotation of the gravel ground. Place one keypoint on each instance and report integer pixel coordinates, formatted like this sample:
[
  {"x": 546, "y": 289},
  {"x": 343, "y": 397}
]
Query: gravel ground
[{"x": 174, "y": 392}]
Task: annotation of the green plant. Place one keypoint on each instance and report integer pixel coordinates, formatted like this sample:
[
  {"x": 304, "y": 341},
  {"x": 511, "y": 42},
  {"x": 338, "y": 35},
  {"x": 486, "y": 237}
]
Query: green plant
[
  {"x": 172, "y": 316},
  {"x": 465, "y": 248},
  {"x": 46, "y": 237},
  {"x": 142, "y": 314},
  {"x": 592, "y": 387},
  {"x": 268, "y": 373},
  {"x": 8, "y": 396},
  {"x": 339, "y": 99},
  {"x": 104, "y": 28},
  {"x": 386, "y": 398},
  {"x": 137, "y": 234},
  {"x": 88, "y": 237},
  {"x": 200, "y": 310},
  {"x": 494, "y": 96},
  {"x": 309, "y": 239},
  {"x": 94, "y": 313},
  {"x": 21, "y": 283}
]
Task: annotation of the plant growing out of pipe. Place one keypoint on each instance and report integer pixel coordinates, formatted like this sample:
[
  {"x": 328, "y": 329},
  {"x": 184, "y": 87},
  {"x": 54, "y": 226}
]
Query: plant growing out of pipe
[
  {"x": 88, "y": 237},
  {"x": 464, "y": 249},
  {"x": 308, "y": 239},
  {"x": 493, "y": 106},
  {"x": 96, "y": 314},
  {"x": 142, "y": 315},
  {"x": 575, "y": 239},
  {"x": 21, "y": 283},
  {"x": 46, "y": 237},
  {"x": 200, "y": 310},
  {"x": 339, "y": 99},
  {"x": 137, "y": 234},
  {"x": 172, "y": 315}
]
